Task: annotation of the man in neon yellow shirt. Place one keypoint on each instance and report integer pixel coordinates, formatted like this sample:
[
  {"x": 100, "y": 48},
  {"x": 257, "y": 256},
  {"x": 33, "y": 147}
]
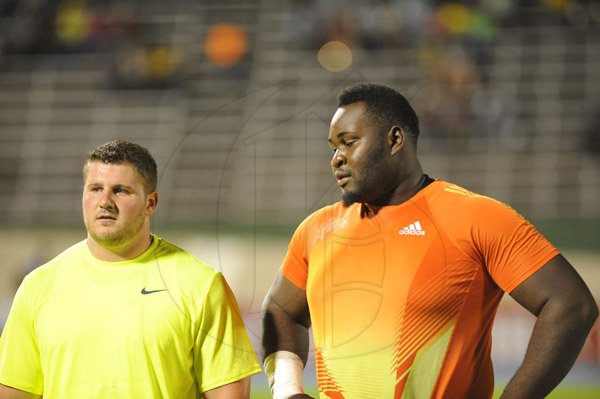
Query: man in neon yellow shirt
[{"x": 124, "y": 313}]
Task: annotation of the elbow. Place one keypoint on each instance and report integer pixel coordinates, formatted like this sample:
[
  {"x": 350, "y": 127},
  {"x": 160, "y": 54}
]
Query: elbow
[
  {"x": 577, "y": 313},
  {"x": 594, "y": 313},
  {"x": 270, "y": 306},
  {"x": 266, "y": 304},
  {"x": 587, "y": 313}
]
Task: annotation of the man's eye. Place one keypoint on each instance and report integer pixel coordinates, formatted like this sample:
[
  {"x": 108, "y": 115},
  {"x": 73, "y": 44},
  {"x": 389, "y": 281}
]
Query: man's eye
[{"x": 349, "y": 143}]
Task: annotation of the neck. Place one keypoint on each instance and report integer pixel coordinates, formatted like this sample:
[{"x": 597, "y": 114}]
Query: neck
[
  {"x": 413, "y": 185},
  {"x": 408, "y": 186},
  {"x": 119, "y": 253}
]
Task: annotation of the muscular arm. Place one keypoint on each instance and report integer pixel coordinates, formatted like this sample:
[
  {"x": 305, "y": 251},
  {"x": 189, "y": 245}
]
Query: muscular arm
[
  {"x": 566, "y": 311},
  {"x": 12, "y": 393},
  {"x": 286, "y": 319},
  {"x": 236, "y": 390}
]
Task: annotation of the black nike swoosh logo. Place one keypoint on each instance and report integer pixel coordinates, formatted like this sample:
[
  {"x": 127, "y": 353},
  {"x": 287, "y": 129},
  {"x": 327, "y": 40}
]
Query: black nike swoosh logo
[{"x": 146, "y": 292}]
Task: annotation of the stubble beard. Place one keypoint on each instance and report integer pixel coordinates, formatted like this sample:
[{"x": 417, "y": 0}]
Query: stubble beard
[
  {"x": 350, "y": 197},
  {"x": 370, "y": 182},
  {"x": 118, "y": 238}
]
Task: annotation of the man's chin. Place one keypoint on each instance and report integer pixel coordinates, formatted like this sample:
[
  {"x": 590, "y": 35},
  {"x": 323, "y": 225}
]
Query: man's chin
[
  {"x": 349, "y": 198},
  {"x": 107, "y": 239}
]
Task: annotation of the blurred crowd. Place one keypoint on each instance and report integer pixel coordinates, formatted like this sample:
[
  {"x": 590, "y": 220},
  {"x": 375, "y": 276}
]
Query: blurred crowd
[
  {"x": 454, "y": 41},
  {"x": 140, "y": 56},
  {"x": 396, "y": 23},
  {"x": 144, "y": 56}
]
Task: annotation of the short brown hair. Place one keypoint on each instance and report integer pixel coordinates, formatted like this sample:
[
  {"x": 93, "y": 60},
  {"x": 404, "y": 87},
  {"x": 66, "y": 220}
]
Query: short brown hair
[{"x": 125, "y": 152}]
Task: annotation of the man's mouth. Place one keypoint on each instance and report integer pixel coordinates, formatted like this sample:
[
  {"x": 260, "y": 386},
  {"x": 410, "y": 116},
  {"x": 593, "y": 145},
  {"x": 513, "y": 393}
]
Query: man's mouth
[
  {"x": 342, "y": 178},
  {"x": 343, "y": 181}
]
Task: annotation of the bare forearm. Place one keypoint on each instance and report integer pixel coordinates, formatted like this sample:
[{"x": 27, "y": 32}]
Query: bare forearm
[
  {"x": 283, "y": 333},
  {"x": 558, "y": 335},
  {"x": 285, "y": 324}
]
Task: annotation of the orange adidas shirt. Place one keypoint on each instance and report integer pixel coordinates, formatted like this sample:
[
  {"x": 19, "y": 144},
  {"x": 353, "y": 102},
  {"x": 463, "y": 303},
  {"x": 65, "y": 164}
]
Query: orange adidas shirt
[{"x": 402, "y": 302}]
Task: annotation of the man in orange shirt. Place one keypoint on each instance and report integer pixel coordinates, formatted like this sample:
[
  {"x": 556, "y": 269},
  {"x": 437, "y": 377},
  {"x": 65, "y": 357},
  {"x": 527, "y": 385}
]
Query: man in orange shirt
[{"x": 401, "y": 280}]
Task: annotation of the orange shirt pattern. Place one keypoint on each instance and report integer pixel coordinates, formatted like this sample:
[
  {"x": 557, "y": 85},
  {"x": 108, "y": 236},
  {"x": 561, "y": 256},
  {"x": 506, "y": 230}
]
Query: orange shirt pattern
[{"x": 402, "y": 299}]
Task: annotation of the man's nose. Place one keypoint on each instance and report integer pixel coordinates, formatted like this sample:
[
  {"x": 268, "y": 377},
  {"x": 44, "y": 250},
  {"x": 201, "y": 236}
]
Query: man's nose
[
  {"x": 106, "y": 199},
  {"x": 338, "y": 159}
]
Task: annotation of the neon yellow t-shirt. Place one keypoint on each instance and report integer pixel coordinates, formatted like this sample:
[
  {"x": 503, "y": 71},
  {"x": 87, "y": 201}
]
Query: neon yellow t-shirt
[{"x": 163, "y": 325}]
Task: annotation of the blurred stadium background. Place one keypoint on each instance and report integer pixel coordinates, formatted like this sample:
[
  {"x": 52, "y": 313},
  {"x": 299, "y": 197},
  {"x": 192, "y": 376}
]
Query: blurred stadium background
[{"x": 234, "y": 99}]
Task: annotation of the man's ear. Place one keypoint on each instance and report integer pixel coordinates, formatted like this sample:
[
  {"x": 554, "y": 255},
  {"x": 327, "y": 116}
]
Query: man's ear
[
  {"x": 396, "y": 139},
  {"x": 152, "y": 202}
]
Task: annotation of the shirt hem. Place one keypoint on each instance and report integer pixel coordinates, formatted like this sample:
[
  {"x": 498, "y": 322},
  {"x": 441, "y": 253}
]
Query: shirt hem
[
  {"x": 293, "y": 279},
  {"x": 524, "y": 276},
  {"x": 20, "y": 387}
]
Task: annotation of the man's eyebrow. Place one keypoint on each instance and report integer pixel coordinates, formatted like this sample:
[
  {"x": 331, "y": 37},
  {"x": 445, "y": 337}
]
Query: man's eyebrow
[
  {"x": 125, "y": 186},
  {"x": 99, "y": 184},
  {"x": 342, "y": 134}
]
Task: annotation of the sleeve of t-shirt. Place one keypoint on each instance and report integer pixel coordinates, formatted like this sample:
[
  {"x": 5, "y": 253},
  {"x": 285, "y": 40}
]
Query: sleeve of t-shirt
[
  {"x": 223, "y": 352},
  {"x": 511, "y": 247},
  {"x": 20, "y": 365},
  {"x": 295, "y": 263}
]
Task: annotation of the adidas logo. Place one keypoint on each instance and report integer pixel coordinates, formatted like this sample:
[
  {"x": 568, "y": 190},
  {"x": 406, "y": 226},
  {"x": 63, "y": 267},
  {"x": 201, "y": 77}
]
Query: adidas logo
[{"x": 414, "y": 229}]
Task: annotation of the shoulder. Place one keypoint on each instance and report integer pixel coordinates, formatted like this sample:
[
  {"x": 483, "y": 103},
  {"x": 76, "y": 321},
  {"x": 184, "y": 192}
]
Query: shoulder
[
  {"x": 67, "y": 258},
  {"x": 328, "y": 216},
  {"x": 324, "y": 220},
  {"x": 41, "y": 281},
  {"x": 453, "y": 200},
  {"x": 464, "y": 214},
  {"x": 179, "y": 264}
]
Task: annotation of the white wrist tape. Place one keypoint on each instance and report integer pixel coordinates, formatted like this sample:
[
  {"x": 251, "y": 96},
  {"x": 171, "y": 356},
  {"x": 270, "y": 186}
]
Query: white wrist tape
[{"x": 284, "y": 373}]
